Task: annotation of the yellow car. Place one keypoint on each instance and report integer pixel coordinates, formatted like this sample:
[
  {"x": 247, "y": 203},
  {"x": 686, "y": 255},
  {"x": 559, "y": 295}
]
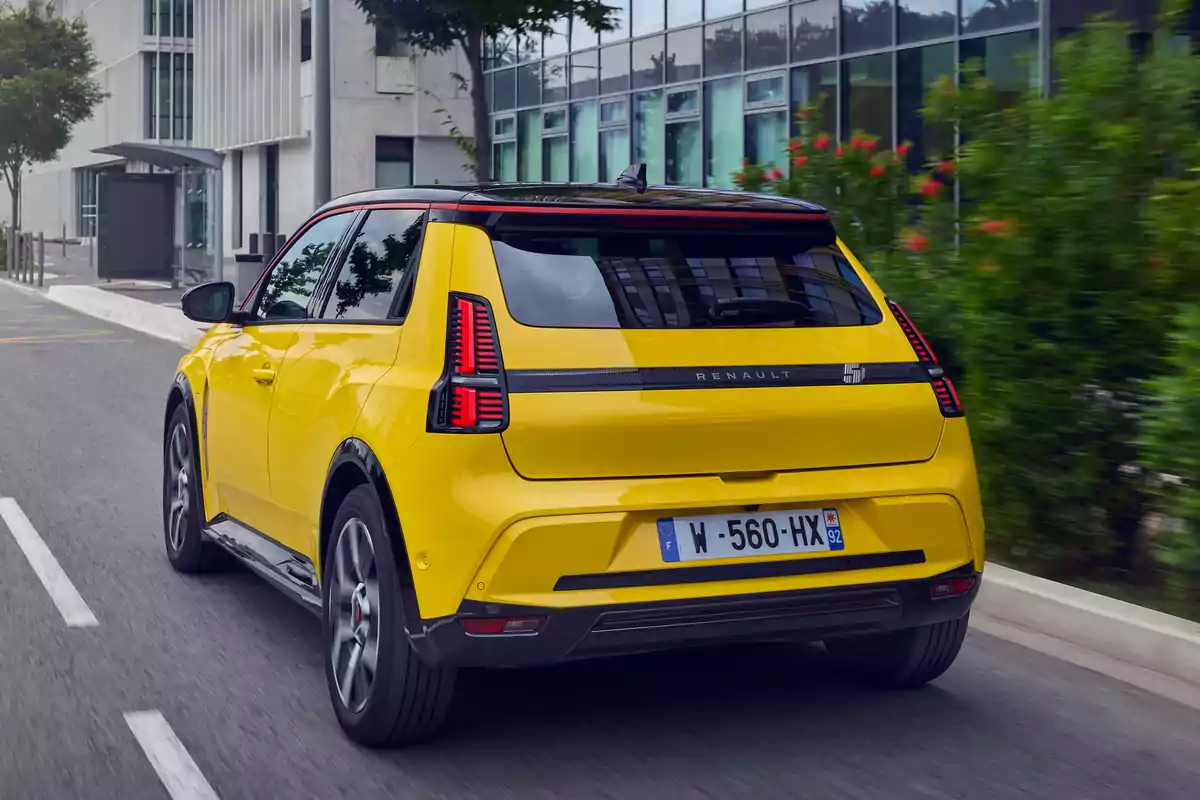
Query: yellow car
[{"x": 523, "y": 424}]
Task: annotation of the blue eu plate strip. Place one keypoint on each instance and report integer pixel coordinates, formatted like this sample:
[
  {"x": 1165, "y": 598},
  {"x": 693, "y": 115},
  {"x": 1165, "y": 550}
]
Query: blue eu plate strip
[{"x": 666, "y": 540}]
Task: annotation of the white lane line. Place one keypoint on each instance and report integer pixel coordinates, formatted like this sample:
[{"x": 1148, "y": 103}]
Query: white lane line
[
  {"x": 74, "y": 610},
  {"x": 175, "y": 768}
]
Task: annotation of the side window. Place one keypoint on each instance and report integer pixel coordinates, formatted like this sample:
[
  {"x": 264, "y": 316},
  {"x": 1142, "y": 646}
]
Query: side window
[
  {"x": 290, "y": 285},
  {"x": 376, "y": 265}
]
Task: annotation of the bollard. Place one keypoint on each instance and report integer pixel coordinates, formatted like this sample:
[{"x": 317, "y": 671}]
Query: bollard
[
  {"x": 27, "y": 261},
  {"x": 8, "y": 253},
  {"x": 41, "y": 260},
  {"x": 64, "y": 240}
]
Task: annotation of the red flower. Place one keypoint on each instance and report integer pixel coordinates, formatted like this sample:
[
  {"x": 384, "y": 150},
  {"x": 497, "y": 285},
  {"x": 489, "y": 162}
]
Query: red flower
[
  {"x": 795, "y": 147},
  {"x": 745, "y": 162},
  {"x": 916, "y": 242},
  {"x": 869, "y": 145},
  {"x": 800, "y": 161},
  {"x": 775, "y": 174},
  {"x": 946, "y": 167},
  {"x": 822, "y": 143},
  {"x": 841, "y": 151},
  {"x": 994, "y": 227},
  {"x": 856, "y": 143},
  {"x": 878, "y": 171},
  {"x": 931, "y": 188},
  {"x": 904, "y": 149}
]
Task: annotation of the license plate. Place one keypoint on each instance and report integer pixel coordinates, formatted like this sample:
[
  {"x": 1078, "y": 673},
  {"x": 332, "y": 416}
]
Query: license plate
[{"x": 754, "y": 533}]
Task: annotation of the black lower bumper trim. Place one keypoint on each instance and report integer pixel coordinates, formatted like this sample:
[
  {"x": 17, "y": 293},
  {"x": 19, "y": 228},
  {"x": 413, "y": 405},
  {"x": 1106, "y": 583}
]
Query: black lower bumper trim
[
  {"x": 735, "y": 572},
  {"x": 592, "y": 631}
]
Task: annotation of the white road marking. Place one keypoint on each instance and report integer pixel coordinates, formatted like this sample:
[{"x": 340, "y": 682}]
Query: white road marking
[
  {"x": 176, "y": 769},
  {"x": 74, "y": 610}
]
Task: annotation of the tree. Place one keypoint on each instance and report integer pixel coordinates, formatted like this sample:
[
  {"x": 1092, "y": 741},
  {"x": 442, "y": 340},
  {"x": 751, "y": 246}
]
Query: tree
[
  {"x": 45, "y": 88},
  {"x": 436, "y": 26}
]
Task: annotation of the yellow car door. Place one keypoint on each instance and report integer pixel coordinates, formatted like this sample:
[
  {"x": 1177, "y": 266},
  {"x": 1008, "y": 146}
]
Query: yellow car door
[
  {"x": 337, "y": 358},
  {"x": 244, "y": 370}
]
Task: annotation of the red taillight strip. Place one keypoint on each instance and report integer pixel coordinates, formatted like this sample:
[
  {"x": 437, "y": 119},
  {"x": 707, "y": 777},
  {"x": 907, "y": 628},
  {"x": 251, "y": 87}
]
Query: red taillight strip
[
  {"x": 464, "y": 337},
  {"x": 471, "y": 396},
  {"x": 924, "y": 352}
]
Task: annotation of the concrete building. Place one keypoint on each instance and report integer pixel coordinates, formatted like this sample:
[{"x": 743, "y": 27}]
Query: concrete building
[{"x": 198, "y": 84}]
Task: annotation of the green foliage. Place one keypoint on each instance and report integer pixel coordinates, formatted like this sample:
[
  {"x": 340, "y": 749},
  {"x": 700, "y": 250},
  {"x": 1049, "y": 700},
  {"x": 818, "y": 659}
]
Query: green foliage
[
  {"x": 437, "y": 25},
  {"x": 1171, "y": 437},
  {"x": 46, "y": 87}
]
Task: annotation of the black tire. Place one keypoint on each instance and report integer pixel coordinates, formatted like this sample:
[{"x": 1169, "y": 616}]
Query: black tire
[
  {"x": 902, "y": 659},
  {"x": 407, "y": 700},
  {"x": 187, "y": 549}
]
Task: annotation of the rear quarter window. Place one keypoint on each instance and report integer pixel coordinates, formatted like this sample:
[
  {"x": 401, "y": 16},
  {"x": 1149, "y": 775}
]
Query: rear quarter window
[{"x": 686, "y": 278}]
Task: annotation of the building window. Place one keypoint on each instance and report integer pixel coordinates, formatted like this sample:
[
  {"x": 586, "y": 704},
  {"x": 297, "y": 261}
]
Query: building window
[
  {"x": 649, "y": 117},
  {"x": 614, "y": 69},
  {"x": 168, "y": 88},
  {"x": 723, "y": 47},
  {"x": 582, "y": 37},
  {"x": 814, "y": 30},
  {"x": 306, "y": 35},
  {"x": 926, "y": 19},
  {"x": 723, "y": 131},
  {"x": 648, "y": 62},
  {"x": 816, "y": 84},
  {"x": 1009, "y": 60},
  {"x": 169, "y": 18},
  {"x": 554, "y": 81},
  {"x": 988, "y": 15},
  {"x": 916, "y": 70},
  {"x": 504, "y": 149},
  {"x": 504, "y": 96},
  {"x": 614, "y": 138},
  {"x": 683, "y": 54},
  {"x": 556, "y": 146},
  {"x": 766, "y": 131},
  {"x": 529, "y": 141},
  {"x": 866, "y": 24},
  {"x": 685, "y": 165},
  {"x": 683, "y": 12},
  {"x": 715, "y": 9},
  {"x": 393, "y": 161},
  {"x": 620, "y": 18},
  {"x": 585, "y": 72},
  {"x": 236, "y": 212},
  {"x": 867, "y": 97},
  {"x": 584, "y": 132},
  {"x": 767, "y": 39},
  {"x": 647, "y": 16},
  {"x": 558, "y": 42},
  {"x": 529, "y": 85},
  {"x": 85, "y": 208}
]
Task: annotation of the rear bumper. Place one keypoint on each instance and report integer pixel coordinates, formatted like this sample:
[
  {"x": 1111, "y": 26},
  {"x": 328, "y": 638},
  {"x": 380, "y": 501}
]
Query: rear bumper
[{"x": 594, "y": 631}]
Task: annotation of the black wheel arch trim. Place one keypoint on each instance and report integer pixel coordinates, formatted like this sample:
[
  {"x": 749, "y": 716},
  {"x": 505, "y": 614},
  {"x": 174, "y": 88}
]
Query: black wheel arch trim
[
  {"x": 356, "y": 452},
  {"x": 183, "y": 386}
]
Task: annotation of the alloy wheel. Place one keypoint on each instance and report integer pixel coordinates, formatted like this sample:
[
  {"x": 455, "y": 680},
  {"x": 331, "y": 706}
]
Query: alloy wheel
[
  {"x": 354, "y": 610},
  {"x": 179, "y": 461}
]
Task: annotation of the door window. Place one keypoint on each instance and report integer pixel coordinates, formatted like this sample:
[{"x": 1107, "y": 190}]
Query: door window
[
  {"x": 383, "y": 253},
  {"x": 290, "y": 285}
]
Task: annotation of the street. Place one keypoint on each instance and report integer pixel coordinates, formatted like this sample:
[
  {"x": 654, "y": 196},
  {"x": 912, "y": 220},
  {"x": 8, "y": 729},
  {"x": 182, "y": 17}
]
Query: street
[{"x": 235, "y": 668}]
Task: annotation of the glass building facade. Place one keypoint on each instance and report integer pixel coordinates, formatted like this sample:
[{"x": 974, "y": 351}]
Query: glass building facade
[{"x": 692, "y": 87}]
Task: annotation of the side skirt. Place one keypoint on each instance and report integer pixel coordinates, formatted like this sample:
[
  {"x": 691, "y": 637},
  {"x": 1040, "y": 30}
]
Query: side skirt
[{"x": 288, "y": 571}]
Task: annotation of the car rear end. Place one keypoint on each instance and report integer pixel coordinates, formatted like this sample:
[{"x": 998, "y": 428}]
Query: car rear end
[{"x": 676, "y": 426}]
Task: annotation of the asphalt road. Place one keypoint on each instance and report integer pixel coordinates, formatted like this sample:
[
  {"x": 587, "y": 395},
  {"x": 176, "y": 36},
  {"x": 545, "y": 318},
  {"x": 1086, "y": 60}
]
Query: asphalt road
[{"x": 235, "y": 669}]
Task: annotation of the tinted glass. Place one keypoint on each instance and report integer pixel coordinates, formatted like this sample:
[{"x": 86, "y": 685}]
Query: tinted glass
[
  {"x": 720, "y": 8},
  {"x": 554, "y": 80},
  {"x": 866, "y": 24},
  {"x": 766, "y": 39},
  {"x": 723, "y": 132},
  {"x": 287, "y": 290},
  {"x": 723, "y": 47},
  {"x": 585, "y": 72},
  {"x": 383, "y": 253},
  {"x": 814, "y": 30},
  {"x": 620, "y": 20},
  {"x": 926, "y": 19},
  {"x": 1009, "y": 60},
  {"x": 683, "y": 12},
  {"x": 529, "y": 85},
  {"x": 581, "y": 35},
  {"x": 647, "y": 16},
  {"x": 816, "y": 84},
  {"x": 867, "y": 97},
  {"x": 504, "y": 95},
  {"x": 614, "y": 69},
  {"x": 986, "y": 15},
  {"x": 557, "y": 43},
  {"x": 917, "y": 69},
  {"x": 648, "y": 62},
  {"x": 678, "y": 280},
  {"x": 683, "y": 54}
]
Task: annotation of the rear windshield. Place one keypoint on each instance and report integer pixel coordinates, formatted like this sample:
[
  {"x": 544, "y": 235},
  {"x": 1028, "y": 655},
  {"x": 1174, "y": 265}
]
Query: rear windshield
[{"x": 678, "y": 279}]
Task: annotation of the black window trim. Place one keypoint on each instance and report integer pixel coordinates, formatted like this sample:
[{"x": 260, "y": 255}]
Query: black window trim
[
  {"x": 401, "y": 297},
  {"x": 251, "y": 302}
]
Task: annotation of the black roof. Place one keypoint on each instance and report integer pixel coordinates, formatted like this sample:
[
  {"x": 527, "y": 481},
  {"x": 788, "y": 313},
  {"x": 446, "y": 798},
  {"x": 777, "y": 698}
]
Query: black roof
[{"x": 582, "y": 195}]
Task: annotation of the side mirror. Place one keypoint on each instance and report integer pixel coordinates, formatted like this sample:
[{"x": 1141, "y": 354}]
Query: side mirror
[{"x": 209, "y": 302}]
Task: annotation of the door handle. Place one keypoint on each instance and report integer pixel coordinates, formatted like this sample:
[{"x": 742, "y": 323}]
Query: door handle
[{"x": 265, "y": 376}]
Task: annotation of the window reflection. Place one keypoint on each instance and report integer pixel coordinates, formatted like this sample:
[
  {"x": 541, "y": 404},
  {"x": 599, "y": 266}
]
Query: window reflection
[
  {"x": 866, "y": 24},
  {"x": 984, "y": 15},
  {"x": 767, "y": 39},
  {"x": 683, "y": 54},
  {"x": 814, "y": 30},
  {"x": 926, "y": 19},
  {"x": 723, "y": 47},
  {"x": 867, "y": 97},
  {"x": 383, "y": 251}
]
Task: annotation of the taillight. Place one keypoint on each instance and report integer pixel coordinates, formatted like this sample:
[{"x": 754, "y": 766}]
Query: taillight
[
  {"x": 943, "y": 389},
  {"x": 470, "y": 397}
]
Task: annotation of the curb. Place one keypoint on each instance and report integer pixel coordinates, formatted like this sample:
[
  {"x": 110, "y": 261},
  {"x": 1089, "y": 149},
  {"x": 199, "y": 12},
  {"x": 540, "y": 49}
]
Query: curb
[{"x": 1136, "y": 636}]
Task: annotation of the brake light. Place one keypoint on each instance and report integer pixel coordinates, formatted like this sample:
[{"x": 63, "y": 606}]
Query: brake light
[
  {"x": 470, "y": 397},
  {"x": 954, "y": 587},
  {"x": 943, "y": 389}
]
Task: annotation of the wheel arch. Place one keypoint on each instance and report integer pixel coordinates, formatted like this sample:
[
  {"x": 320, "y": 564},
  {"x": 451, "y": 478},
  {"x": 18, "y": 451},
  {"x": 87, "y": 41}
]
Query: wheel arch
[
  {"x": 355, "y": 464},
  {"x": 179, "y": 394}
]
